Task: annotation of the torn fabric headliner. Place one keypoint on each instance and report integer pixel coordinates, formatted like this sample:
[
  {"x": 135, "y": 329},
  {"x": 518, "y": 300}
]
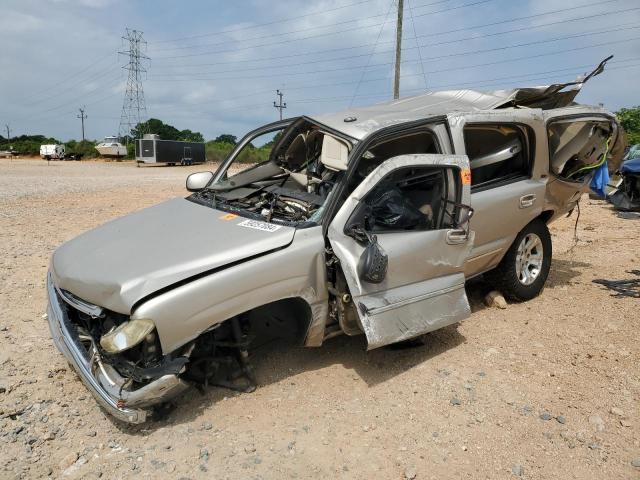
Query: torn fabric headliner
[{"x": 363, "y": 121}]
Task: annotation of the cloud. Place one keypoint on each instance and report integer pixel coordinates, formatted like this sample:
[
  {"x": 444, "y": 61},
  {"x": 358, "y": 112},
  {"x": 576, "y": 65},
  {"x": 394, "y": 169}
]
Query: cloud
[
  {"x": 320, "y": 59},
  {"x": 88, "y": 3},
  {"x": 199, "y": 95},
  {"x": 17, "y": 23}
]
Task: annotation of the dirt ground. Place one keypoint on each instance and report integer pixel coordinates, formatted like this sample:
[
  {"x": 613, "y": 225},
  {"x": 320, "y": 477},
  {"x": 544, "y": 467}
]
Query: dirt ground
[{"x": 544, "y": 389}]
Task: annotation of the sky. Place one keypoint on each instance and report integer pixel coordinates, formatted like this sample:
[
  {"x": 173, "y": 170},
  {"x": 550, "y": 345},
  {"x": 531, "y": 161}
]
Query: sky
[{"x": 215, "y": 66}]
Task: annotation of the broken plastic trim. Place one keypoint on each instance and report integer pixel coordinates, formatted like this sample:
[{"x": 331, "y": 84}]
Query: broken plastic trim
[
  {"x": 92, "y": 310},
  {"x": 553, "y": 95}
]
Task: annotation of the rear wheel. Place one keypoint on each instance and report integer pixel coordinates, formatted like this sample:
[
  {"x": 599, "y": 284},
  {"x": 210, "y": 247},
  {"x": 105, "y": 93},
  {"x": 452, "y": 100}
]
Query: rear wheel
[{"x": 523, "y": 271}]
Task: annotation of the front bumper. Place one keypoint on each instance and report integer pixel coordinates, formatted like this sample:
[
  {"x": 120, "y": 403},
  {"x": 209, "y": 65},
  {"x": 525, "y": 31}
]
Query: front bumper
[{"x": 105, "y": 383}]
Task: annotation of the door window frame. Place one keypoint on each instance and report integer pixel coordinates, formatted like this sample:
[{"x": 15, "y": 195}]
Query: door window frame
[
  {"x": 449, "y": 173},
  {"x": 355, "y": 156},
  {"x": 529, "y": 150}
]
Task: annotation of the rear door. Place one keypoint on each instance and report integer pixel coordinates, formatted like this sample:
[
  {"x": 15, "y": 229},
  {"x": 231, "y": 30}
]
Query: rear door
[
  {"x": 423, "y": 288},
  {"x": 507, "y": 188}
]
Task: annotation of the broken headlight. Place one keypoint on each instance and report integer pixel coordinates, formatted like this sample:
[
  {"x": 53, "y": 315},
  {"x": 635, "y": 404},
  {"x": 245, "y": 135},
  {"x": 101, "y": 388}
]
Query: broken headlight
[{"x": 127, "y": 335}]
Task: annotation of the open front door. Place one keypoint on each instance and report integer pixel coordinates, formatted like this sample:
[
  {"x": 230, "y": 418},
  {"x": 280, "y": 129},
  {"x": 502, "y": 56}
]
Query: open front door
[{"x": 402, "y": 238}]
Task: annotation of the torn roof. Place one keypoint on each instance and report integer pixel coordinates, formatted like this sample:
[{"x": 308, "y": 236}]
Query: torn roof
[{"x": 359, "y": 122}]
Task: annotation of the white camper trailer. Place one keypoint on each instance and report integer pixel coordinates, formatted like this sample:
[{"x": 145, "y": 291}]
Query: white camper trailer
[{"x": 52, "y": 152}]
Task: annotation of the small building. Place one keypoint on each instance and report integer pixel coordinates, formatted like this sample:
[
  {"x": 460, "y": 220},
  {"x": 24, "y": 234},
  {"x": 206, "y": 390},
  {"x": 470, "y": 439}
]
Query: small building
[{"x": 151, "y": 149}]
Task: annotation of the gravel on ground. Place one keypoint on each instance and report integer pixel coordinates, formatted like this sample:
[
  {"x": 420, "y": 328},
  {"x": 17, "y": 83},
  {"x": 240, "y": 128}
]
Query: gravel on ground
[{"x": 543, "y": 389}]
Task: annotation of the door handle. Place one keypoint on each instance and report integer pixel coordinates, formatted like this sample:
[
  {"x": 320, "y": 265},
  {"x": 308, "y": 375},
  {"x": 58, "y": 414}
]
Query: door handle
[
  {"x": 456, "y": 237},
  {"x": 527, "y": 200}
]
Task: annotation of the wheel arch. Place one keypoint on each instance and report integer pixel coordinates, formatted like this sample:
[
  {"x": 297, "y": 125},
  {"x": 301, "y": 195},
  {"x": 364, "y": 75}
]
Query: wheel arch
[
  {"x": 546, "y": 216},
  {"x": 291, "y": 317}
]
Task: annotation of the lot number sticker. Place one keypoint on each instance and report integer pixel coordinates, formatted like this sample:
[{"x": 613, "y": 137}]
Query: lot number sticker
[{"x": 256, "y": 225}]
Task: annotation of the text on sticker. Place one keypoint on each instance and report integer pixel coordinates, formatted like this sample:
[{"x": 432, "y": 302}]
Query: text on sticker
[{"x": 257, "y": 225}]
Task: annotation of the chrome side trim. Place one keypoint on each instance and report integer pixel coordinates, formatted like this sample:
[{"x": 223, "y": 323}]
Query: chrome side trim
[{"x": 409, "y": 301}]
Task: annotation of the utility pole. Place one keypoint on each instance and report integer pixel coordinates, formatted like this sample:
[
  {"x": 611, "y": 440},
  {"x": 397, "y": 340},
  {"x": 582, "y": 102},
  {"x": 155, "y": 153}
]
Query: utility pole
[
  {"x": 6, "y": 125},
  {"x": 280, "y": 106},
  {"x": 82, "y": 116},
  {"x": 396, "y": 83},
  {"x": 134, "y": 108}
]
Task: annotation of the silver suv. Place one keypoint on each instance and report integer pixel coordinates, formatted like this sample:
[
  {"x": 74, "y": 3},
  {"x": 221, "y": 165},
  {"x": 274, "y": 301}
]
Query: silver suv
[{"x": 363, "y": 222}]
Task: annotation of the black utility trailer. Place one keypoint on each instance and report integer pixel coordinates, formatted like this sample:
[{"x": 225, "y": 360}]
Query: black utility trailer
[{"x": 152, "y": 149}]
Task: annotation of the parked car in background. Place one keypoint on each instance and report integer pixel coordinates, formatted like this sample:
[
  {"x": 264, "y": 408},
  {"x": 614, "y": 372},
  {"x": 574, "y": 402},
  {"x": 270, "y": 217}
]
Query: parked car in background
[
  {"x": 52, "y": 152},
  {"x": 626, "y": 195},
  {"x": 367, "y": 221},
  {"x": 633, "y": 153}
]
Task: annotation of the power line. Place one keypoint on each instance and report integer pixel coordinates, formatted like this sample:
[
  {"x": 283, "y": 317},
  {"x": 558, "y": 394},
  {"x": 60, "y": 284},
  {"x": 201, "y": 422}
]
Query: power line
[
  {"x": 84, "y": 95},
  {"x": 511, "y": 20},
  {"x": 618, "y": 28},
  {"x": 271, "y": 35},
  {"x": 415, "y": 36},
  {"x": 316, "y": 86},
  {"x": 444, "y": 42},
  {"x": 325, "y": 100},
  {"x": 418, "y": 90},
  {"x": 523, "y": 77},
  {"x": 95, "y": 102},
  {"x": 539, "y": 55},
  {"x": 373, "y": 51},
  {"x": 536, "y": 42},
  {"x": 282, "y": 20},
  {"x": 66, "y": 79},
  {"x": 387, "y": 64},
  {"x": 71, "y": 87},
  {"x": 311, "y": 36}
]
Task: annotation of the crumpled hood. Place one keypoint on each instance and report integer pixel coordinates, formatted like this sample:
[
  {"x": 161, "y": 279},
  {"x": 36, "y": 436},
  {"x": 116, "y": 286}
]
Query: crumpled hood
[{"x": 123, "y": 261}]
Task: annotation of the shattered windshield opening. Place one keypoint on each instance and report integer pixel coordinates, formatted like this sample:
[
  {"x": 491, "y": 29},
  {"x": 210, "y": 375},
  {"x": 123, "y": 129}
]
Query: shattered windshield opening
[{"x": 294, "y": 169}]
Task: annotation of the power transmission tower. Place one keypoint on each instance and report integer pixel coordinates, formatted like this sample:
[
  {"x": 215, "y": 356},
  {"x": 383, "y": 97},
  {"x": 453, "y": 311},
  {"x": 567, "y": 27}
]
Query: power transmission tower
[
  {"x": 134, "y": 108},
  {"x": 6, "y": 125},
  {"x": 82, "y": 117},
  {"x": 396, "y": 82},
  {"x": 280, "y": 106}
]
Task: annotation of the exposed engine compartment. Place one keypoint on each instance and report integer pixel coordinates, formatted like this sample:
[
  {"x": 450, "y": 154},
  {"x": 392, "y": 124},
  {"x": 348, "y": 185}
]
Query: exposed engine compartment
[{"x": 291, "y": 186}]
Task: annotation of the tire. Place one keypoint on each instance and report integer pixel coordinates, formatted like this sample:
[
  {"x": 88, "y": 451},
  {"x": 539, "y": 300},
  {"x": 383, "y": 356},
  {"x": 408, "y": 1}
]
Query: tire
[{"x": 523, "y": 271}]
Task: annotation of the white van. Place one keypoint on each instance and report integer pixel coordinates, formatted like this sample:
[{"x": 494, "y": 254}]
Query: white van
[{"x": 52, "y": 152}]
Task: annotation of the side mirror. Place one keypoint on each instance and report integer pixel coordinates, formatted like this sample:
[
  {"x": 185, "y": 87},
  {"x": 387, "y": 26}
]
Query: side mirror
[
  {"x": 373, "y": 263},
  {"x": 197, "y": 181}
]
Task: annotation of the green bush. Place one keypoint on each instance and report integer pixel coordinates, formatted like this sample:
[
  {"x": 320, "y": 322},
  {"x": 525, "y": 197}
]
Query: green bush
[
  {"x": 87, "y": 148},
  {"x": 29, "y": 144},
  {"x": 630, "y": 120},
  {"x": 218, "y": 151}
]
